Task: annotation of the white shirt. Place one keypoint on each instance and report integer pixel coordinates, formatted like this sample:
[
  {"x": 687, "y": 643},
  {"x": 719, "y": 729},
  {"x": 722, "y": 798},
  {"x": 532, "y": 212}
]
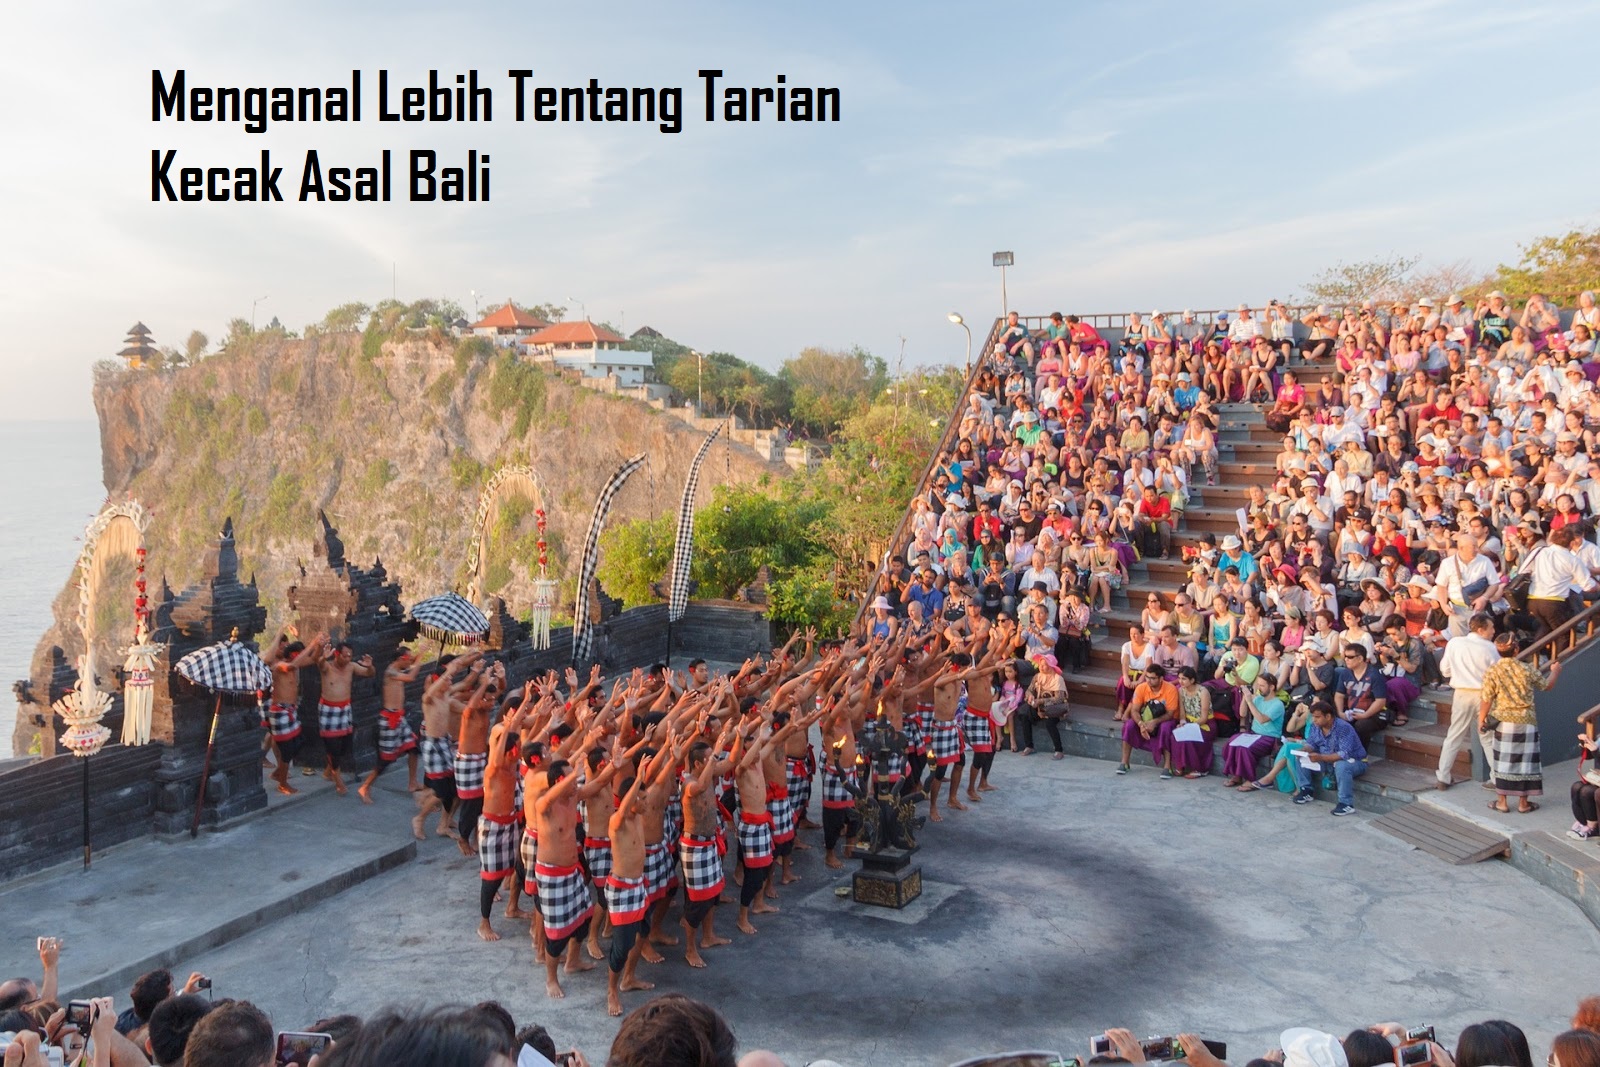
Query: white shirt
[
  {"x": 1453, "y": 574},
  {"x": 1556, "y": 572},
  {"x": 1466, "y": 659}
]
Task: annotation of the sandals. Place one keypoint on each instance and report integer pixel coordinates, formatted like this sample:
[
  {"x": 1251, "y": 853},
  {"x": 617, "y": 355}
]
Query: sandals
[
  {"x": 1251, "y": 787},
  {"x": 1400, "y": 720}
]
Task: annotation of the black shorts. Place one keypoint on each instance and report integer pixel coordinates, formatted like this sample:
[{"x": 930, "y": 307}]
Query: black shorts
[
  {"x": 339, "y": 749},
  {"x": 288, "y": 749},
  {"x": 443, "y": 788}
]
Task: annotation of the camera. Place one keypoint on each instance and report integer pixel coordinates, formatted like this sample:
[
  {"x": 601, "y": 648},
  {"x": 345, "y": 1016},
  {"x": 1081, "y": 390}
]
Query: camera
[
  {"x": 80, "y": 1013},
  {"x": 203, "y": 983},
  {"x": 52, "y": 1053}
]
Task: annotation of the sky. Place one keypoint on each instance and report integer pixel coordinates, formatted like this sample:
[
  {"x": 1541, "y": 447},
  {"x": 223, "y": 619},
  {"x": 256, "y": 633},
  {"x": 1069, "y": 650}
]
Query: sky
[{"x": 1132, "y": 155}]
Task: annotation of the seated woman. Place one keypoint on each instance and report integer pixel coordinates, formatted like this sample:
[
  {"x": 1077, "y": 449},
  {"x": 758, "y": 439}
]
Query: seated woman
[
  {"x": 1045, "y": 702},
  {"x": 1192, "y": 759},
  {"x": 1262, "y": 717},
  {"x": 1220, "y": 633},
  {"x": 1074, "y": 641},
  {"x": 1138, "y": 653},
  {"x": 1260, "y": 371},
  {"x": 1106, "y": 570},
  {"x": 1154, "y": 618},
  {"x": 884, "y": 626},
  {"x": 1586, "y": 790}
]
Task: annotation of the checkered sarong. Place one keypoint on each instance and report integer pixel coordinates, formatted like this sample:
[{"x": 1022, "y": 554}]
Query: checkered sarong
[
  {"x": 597, "y": 856},
  {"x": 946, "y": 743},
  {"x": 978, "y": 730},
  {"x": 1516, "y": 766},
  {"x": 798, "y": 772},
  {"x": 564, "y": 899},
  {"x": 627, "y": 900},
  {"x": 469, "y": 774},
  {"x": 755, "y": 838},
  {"x": 438, "y": 757},
  {"x": 702, "y": 867},
  {"x": 897, "y": 766},
  {"x": 781, "y": 808},
  {"x": 395, "y": 736},
  {"x": 335, "y": 719},
  {"x": 497, "y": 846},
  {"x": 660, "y": 873},
  {"x": 834, "y": 792},
  {"x": 672, "y": 820},
  {"x": 529, "y": 853},
  {"x": 283, "y": 720}
]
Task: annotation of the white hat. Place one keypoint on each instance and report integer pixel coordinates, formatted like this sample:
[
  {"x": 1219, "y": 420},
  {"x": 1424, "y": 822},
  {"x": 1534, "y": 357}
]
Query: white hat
[
  {"x": 1305, "y": 1047},
  {"x": 1188, "y": 311},
  {"x": 883, "y": 602},
  {"x": 1497, "y": 294},
  {"x": 1424, "y": 303},
  {"x": 956, "y": 500},
  {"x": 1454, "y": 298},
  {"x": 1231, "y": 542},
  {"x": 1153, "y": 314}
]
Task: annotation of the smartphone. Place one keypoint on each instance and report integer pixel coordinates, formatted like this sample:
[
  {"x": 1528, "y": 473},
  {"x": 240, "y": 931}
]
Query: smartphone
[
  {"x": 295, "y": 1049},
  {"x": 1418, "y": 1033},
  {"x": 1412, "y": 1055},
  {"x": 80, "y": 1014},
  {"x": 1160, "y": 1048}
]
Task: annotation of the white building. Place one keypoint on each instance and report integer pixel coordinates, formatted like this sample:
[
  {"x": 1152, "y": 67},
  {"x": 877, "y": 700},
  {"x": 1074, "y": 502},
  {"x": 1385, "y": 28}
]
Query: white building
[{"x": 593, "y": 350}]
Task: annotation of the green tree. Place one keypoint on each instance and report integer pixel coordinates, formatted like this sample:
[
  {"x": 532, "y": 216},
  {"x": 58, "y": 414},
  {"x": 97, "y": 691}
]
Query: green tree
[
  {"x": 1559, "y": 267},
  {"x": 633, "y": 555},
  {"x": 239, "y": 337},
  {"x": 830, "y": 386},
  {"x": 195, "y": 346},
  {"x": 346, "y": 318},
  {"x": 1381, "y": 279}
]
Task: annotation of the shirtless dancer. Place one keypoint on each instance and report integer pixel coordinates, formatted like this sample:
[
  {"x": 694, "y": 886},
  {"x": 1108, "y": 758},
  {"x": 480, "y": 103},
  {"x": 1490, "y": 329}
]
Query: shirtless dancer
[
  {"x": 841, "y": 786},
  {"x": 286, "y": 658},
  {"x": 472, "y": 756},
  {"x": 439, "y": 749},
  {"x": 756, "y": 838},
  {"x": 564, "y": 900},
  {"x": 627, "y": 895},
  {"x": 497, "y": 825},
  {"x": 395, "y": 736},
  {"x": 977, "y": 728},
  {"x": 945, "y": 746},
  {"x": 702, "y": 859},
  {"x": 335, "y": 721}
]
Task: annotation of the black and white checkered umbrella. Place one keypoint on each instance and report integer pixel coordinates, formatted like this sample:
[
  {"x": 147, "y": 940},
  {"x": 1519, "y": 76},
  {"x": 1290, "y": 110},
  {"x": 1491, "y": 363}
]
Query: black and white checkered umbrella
[
  {"x": 226, "y": 667},
  {"x": 451, "y": 619}
]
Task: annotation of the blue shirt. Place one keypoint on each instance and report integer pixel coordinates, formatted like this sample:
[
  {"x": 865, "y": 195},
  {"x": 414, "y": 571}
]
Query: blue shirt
[
  {"x": 1343, "y": 739},
  {"x": 1246, "y": 564},
  {"x": 1359, "y": 693},
  {"x": 1186, "y": 398},
  {"x": 931, "y": 599}
]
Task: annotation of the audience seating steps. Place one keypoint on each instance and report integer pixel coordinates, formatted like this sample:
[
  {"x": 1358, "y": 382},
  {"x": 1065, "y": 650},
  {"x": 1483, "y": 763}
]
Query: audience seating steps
[{"x": 1092, "y": 732}]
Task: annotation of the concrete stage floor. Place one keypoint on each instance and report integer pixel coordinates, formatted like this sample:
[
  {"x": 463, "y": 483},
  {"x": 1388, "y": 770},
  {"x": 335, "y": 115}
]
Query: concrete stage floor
[{"x": 1069, "y": 901}]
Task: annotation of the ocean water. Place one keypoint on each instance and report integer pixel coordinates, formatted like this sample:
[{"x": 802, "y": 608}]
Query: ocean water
[{"x": 50, "y": 485}]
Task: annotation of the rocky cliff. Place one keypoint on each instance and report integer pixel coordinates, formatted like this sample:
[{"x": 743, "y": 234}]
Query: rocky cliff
[{"x": 394, "y": 441}]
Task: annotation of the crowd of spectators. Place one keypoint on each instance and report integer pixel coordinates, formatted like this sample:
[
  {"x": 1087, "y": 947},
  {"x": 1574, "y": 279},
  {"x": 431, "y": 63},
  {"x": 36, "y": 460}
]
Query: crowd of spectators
[
  {"x": 1439, "y": 465},
  {"x": 177, "y": 1027}
]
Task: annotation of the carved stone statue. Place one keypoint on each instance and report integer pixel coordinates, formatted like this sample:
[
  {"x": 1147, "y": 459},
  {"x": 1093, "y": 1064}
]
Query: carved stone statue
[{"x": 887, "y": 819}]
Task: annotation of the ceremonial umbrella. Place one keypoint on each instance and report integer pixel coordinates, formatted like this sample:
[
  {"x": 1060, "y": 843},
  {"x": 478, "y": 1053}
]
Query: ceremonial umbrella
[
  {"x": 227, "y": 668},
  {"x": 450, "y": 619}
]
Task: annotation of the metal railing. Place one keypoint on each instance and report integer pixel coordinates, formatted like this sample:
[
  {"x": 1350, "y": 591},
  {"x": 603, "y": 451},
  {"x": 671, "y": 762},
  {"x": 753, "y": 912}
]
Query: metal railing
[
  {"x": 899, "y": 539},
  {"x": 1576, "y": 633}
]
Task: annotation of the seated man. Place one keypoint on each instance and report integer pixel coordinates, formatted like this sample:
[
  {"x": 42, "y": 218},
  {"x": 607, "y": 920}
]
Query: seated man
[
  {"x": 1156, "y": 510},
  {"x": 1332, "y": 743},
  {"x": 1361, "y": 691},
  {"x": 1154, "y": 702},
  {"x": 1015, "y": 337}
]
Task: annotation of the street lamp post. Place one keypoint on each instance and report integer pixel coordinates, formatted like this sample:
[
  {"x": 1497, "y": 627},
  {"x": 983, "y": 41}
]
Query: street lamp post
[
  {"x": 474, "y": 293},
  {"x": 699, "y": 386},
  {"x": 584, "y": 308},
  {"x": 253, "y": 304},
  {"x": 1004, "y": 260},
  {"x": 959, "y": 321}
]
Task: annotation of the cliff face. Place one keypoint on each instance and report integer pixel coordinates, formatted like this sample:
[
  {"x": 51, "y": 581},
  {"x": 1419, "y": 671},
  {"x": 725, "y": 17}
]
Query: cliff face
[{"x": 394, "y": 442}]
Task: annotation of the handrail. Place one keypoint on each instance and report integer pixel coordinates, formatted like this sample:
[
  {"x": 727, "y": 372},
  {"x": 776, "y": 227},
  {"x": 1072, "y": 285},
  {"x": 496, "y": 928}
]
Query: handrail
[
  {"x": 1572, "y": 635},
  {"x": 946, "y": 442}
]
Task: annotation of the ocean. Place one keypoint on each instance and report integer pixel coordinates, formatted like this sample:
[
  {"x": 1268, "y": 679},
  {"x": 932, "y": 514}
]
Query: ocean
[{"x": 51, "y": 484}]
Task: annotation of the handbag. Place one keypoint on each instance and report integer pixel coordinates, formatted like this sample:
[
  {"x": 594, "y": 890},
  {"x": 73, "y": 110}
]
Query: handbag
[
  {"x": 1055, "y": 709},
  {"x": 1152, "y": 710}
]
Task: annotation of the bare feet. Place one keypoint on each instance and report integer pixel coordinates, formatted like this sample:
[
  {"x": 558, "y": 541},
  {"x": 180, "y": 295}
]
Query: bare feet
[
  {"x": 987, "y": 788},
  {"x": 789, "y": 877},
  {"x": 613, "y": 1003},
  {"x": 413, "y": 787},
  {"x": 593, "y": 948},
  {"x": 552, "y": 989},
  {"x": 745, "y": 927},
  {"x": 365, "y": 793},
  {"x": 486, "y": 932},
  {"x": 692, "y": 958},
  {"x": 514, "y": 912},
  {"x": 933, "y": 816},
  {"x": 801, "y": 846},
  {"x": 974, "y": 797},
  {"x": 287, "y": 789},
  {"x": 760, "y": 907},
  {"x": 713, "y": 941},
  {"x": 833, "y": 862},
  {"x": 339, "y": 787},
  {"x": 956, "y": 804},
  {"x": 416, "y": 829},
  {"x": 648, "y": 953},
  {"x": 632, "y": 985},
  {"x": 661, "y": 937},
  {"x": 576, "y": 963},
  {"x": 466, "y": 849}
]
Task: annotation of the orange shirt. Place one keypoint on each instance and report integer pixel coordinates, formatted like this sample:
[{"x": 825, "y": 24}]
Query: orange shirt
[{"x": 1165, "y": 693}]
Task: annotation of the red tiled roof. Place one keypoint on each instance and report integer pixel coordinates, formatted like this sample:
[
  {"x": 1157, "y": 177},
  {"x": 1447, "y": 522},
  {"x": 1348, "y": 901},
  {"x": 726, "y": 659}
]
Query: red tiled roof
[
  {"x": 575, "y": 333},
  {"x": 509, "y": 316}
]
